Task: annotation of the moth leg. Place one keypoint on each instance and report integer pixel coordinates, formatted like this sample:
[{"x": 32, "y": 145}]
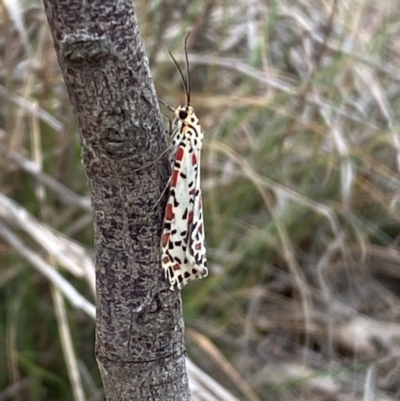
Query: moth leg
[
  {"x": 162, "y": 193},
  {"x": 155, "y": 160}
]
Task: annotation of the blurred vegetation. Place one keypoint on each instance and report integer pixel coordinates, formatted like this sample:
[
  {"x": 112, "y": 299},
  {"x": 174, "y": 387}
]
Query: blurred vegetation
[{"x": 301, "y": 192}]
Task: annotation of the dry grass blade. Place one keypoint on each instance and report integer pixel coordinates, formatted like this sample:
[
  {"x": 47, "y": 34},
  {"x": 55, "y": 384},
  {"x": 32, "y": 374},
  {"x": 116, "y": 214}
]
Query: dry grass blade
[
  {"x": 31, "y": 108},
  {"x": 63, "y": 193},
  {"x": 76, "y": 299},
  {"x": 223, "y": 363},
  {"x": 68, "y": 254},
  {"x": 67, "y": 343},
  {"x": 16, "y": 12},
  {"x": 58, "y": 300},
  {"x": 204, "y": 387},
  {"x": 369, "y": 393}
]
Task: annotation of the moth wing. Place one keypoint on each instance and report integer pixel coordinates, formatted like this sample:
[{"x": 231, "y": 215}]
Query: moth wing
[
  {"x": 196, "y": 242},
  {"x": 178, "y": 213}
]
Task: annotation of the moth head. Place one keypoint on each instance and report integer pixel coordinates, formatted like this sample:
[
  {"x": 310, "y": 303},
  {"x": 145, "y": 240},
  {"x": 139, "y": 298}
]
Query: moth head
[{"x": 184, "y": 113}]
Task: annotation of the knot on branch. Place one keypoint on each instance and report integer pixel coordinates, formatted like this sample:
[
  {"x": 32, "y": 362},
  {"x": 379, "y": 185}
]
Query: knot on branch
[
  {"x": 83, "y": 48},
  {"x": 118, "y": 137}
]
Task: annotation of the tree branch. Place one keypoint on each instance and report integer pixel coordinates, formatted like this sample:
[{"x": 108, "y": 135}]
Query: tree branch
[{"x": 139, "y": 326}]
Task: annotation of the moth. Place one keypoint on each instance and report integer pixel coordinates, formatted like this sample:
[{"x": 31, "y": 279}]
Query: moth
[{"x": 182, "y": 240}]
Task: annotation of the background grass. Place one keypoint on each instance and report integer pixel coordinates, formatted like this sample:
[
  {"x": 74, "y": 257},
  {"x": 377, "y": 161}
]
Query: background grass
[{"x": 299, "y": 102}]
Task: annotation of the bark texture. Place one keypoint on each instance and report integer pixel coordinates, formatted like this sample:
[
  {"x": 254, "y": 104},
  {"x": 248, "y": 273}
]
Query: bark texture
[{"x": 139, "y": 326}]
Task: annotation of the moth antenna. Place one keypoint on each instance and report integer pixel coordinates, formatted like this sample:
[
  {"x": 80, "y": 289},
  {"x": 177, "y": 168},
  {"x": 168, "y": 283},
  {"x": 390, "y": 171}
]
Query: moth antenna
[
  {"x": 187, "y": 71},
  {"x": 182, "y": 76},
  {"x": 186, "y": 81}
]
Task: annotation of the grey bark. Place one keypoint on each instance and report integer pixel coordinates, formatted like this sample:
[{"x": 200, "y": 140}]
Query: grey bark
[{"x": 139, "y": 325}]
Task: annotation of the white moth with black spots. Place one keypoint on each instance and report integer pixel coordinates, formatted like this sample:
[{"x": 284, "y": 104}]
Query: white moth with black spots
[{"x": 182, "y": 241}]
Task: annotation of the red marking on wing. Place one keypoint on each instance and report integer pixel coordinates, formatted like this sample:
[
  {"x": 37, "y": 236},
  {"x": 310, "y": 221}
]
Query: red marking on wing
[
  {"x": 164, "y": 240},
  {"x": 192, "y": 191},
  {"x": 201, "y": 228},
  {"x": 198, "y": 246},
  {"x": 190, "y": 217},
  {"x": 180, "y": 153},
  {"x": 176, "y": 266},
  {"x": 169, "y": 212},
  {"x": 174, "y": 179},
  {"x": 194, "y": 159}
]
